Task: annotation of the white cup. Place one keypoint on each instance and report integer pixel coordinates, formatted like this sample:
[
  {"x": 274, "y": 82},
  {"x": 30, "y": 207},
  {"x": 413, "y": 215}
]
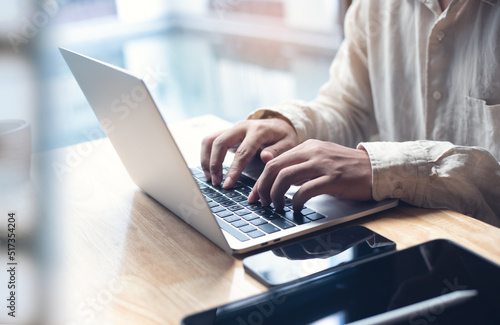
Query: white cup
[{"x": 15, "y": 151}]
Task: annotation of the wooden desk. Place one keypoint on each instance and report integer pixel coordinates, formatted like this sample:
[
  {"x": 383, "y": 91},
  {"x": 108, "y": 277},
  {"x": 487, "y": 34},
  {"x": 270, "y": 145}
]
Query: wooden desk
[{"x": 128, "y": 260}]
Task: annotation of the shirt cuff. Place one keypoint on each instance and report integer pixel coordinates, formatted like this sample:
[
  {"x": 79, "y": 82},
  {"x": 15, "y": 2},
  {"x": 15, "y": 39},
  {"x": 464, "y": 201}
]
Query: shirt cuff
[{"x": 399, "y": 170}]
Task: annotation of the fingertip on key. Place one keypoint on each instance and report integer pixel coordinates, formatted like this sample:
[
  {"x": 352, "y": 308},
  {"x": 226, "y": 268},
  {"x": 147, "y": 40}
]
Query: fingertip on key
[{"x": 228, "y": 182}]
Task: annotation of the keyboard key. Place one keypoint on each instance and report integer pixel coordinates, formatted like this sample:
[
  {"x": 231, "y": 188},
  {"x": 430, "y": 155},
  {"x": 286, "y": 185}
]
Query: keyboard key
[
  {"x": 213, "y": 195},
  {"x": 226, "y": 202},
  {"x": 242, "y": 212},
  {"x": 239, "y": 223},
  {"x": 282, "y": 211},
  {"x": 224, "y": 214},
  {"x": 315, "y": 216},
  {"x": 246, "y": 180},
  {"x": 307, "y": 211},
  {"x": 263, "y": 212},
  {"x": 239, "y": 198},
  {"x": 282, "y": 223},
  {"x": 258, "y": 222},
  {"x": 247, "y": 228},
  {"x": 244, "y": 203},
  {"x": 217, "y": 209},
  {"x": 225, "y": 191},
  {"x": 255, "y": 234},
  {"x": 231, "y": 194},
  {"x": 239, "y": 185},
  {"x": 296, "y": 217},
  {"x": 250, "y": 216},
  {"x": 269, "y": 228},
  {"x": 212, "y": 204},
  {"x": 231, "y": 219},
  {"x": 220, "y": 199},
  {"x": 254, "y": 206},
  {"x": 244, "y": 190},
  {"x": 235, "y": 207},
  {"x": 271, "y": 216}
]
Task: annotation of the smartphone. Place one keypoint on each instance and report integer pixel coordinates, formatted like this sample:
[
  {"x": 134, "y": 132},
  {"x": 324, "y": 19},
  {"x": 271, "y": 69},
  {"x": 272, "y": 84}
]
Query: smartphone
[{"x": 317, "y": 255}]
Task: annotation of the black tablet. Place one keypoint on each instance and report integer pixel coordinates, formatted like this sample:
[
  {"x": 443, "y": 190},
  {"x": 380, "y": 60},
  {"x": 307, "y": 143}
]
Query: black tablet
[{"x": 437, "y": 282}]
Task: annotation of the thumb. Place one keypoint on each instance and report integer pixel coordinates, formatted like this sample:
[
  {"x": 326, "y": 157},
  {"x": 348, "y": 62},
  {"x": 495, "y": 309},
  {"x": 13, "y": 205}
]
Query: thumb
[{"x": 273, "y": 151}]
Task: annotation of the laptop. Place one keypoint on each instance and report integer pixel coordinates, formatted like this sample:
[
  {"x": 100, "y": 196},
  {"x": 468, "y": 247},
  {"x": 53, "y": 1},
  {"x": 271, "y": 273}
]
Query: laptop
[{"x": 142, "y": 140}]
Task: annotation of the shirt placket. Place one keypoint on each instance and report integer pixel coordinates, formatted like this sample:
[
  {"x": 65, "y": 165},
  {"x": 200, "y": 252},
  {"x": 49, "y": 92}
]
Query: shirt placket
[{"x": 437, "y": 68}]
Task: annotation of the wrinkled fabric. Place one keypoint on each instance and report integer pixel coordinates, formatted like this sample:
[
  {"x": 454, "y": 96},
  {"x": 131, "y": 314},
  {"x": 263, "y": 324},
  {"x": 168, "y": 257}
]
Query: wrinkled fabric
[{"x": 426, "y": 85}]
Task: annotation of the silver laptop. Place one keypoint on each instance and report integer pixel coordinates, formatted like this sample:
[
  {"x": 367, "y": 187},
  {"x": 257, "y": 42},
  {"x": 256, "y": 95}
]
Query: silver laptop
[{"x": 148, "y": 151}]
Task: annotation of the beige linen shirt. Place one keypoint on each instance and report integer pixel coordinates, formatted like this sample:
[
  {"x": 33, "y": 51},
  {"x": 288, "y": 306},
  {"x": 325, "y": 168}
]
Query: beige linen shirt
[{"x": 426, "y": 84}]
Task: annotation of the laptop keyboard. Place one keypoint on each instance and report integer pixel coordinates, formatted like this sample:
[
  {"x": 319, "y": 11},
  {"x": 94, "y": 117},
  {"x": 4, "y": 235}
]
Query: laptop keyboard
[{"x": 243, "y": 220}]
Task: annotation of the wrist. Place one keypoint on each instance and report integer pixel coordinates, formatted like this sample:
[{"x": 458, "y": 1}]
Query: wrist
[{"x": 265, "y": 114}]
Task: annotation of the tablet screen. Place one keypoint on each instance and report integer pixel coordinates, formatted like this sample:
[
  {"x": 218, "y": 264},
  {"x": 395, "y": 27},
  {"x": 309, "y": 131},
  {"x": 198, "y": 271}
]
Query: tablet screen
[{"x": 386, "y": 285}]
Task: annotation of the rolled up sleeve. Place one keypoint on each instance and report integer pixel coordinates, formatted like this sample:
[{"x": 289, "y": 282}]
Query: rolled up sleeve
[{"x": 437, "y": 174}]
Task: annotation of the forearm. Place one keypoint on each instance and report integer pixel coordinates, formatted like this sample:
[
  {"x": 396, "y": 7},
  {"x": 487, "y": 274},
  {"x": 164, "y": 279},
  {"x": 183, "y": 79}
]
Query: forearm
[{"x": 436, "y": 174}]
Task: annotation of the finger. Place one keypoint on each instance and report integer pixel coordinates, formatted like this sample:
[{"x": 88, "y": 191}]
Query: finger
[
  {"x": 220, "y": 146},
  {"x": 206, "y": 150},
  {"x": 257, "y": 136},
  {"x": 245, "y": 152},
  {"x": 310, "y": 189},
  {"x": 275, "y": 150},
  {"x": 299, "y": 173},
  {"x": 254, "y": 195},
  {"x": 271, "y": 170}
]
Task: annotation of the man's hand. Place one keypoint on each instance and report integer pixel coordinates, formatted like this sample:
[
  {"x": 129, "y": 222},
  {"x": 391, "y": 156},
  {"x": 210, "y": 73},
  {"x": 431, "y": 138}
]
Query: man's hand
[
  {"x": 320, "y": 168},
  {"x": 273, "y": 136}
]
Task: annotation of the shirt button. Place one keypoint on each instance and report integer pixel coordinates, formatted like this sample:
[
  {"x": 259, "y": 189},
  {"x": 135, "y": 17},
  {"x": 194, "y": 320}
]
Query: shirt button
[
  {"x": 436, "y": 95},
  {"x": 440, "y": 35},
  {"x": 398, "y": 193}
]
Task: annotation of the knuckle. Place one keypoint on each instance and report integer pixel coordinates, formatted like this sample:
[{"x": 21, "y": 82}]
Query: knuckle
[
  {"x": 219, "y": 142},
  {"x": 214, "y": 167},
  {"x": 272, "y": 166},
  {"x": 205, "y": 163},
  {"x": 243, "y": 151},
  {"x": 207, "y": 141},
  {"x": 284, "y": 174}
]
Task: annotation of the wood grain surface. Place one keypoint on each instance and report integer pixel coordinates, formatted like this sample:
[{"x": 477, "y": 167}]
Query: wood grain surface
[{"x": 128, "y": 260}]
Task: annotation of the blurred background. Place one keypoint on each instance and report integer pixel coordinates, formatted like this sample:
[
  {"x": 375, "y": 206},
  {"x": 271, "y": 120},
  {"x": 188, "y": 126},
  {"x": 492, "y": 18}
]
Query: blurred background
[{"x": 221, "y": 57}]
